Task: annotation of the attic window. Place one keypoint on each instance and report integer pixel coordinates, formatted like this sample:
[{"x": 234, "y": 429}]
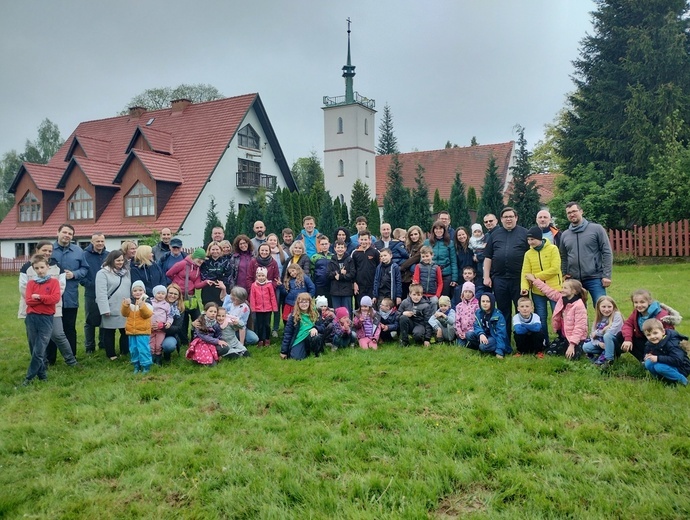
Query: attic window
[
  {"x": 29, "y": 208},
  {"x": 150, "y": 121},
  {"x": 139, "y": 202},
  {"x": 248, "y": 138},
  {"x": 80, "y": 205}
]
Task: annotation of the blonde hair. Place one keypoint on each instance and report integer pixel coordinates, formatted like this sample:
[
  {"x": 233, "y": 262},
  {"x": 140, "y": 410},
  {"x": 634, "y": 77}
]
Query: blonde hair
[
  {"x": 598, "y": 316},
  {"x": 297, "y": 243},
  {"x": 444, "y": 300},
  {"x": 642, "y": 292},
  {"x": 576, "y": 286},
  {"x": 299, "y": 275},
  {"x": 416, "y": 288},
  {"x": 208, "y": 249},
  {"x": 143, "y": 256},
  {"x": 297, "y": 313},
  {"x": 180, "y": 301}
]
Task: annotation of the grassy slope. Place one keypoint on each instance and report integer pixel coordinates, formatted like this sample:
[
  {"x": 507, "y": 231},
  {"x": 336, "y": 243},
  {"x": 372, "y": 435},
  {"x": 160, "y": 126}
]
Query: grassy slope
[{"x": 406, "y": 433}]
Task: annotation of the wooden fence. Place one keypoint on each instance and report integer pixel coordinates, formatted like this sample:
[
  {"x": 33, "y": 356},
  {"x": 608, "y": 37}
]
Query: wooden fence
[
  {"x": 13, "y": 265},
  {"x": 667, "y": 239}
]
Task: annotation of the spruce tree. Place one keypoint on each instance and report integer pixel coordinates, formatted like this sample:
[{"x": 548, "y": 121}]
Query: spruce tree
[
  {"x": 420, "y": 201},
  {"x": 457, "y": 203},
  {"x": 297, "y": 212},
  {"x": 276, "y": 220},
  {"x": 337, "y": 211},
  {"x": 388, "y": 144},
  {"x": 286, "y": 198},
  {"x": 344, "y": 217},
  {"x": 524, "y": 196},
  {"x": 492, "y": 193},
  {"x": 374, "y": 218},
  {"x": 359, "y": 201},
  {"x": 474, "y": 142},
  {"x": 212, "y": 221},
  {"x": 439, "y": 203},
  {"x": 397, "y": 199},
  {"x": 472, "y": 202},
  {"x": 327, "y": 221},
  {"x": 231, "y": 224},
  {"x": 252, "y": 213}
]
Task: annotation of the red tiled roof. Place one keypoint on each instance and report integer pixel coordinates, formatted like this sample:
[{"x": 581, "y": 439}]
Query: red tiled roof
[
  {"x": 45, "y": 177},
  {"x": 201, "y": 134},
  {"x": 440, "y": 166},
  {"x": 95, "y": 149},
  {"x": 158, "y": 141},
  {"x": 160, "y": 167},
  {"x": 99, "y": 173},
  {"x": 546, "y": 185}
]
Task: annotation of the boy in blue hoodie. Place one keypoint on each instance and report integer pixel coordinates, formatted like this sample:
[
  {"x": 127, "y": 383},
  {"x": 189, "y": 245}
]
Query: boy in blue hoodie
[{"x": 490, "y": 334}]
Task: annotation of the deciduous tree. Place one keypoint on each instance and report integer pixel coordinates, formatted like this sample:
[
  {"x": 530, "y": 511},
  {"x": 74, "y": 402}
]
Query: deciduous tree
[{"x": 161, "y": 97}]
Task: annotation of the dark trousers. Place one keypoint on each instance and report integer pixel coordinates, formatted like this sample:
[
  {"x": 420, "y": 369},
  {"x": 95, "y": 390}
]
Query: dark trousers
[
  {"x": 262, "y": 325},
  {"x": 109, "y": 342},
  {"x": 507, "y": 293},
  {"x": 69, "y": 325},
  {"x": 408, "y": 326},
  {"x": 39, "y": 327},
  {"x": 91, "y": 316},
  {"x": 529, "y": 343},
  {"x": 637, "y": 349}
]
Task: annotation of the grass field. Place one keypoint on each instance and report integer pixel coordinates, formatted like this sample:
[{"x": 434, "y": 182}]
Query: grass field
[{"x": 398, "y": 433}]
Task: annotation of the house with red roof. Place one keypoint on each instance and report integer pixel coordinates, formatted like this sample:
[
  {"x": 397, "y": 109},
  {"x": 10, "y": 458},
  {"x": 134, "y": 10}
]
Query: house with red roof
[{"x": 130, "y": 175}]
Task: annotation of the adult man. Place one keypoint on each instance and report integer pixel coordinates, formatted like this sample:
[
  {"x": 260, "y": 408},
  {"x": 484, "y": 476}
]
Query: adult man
[
  {"x": 94, "y": 256},
  {"x": 288, "y": 237},
  {"x": 505, "y": 249},
  {"x": 163, "y": 246},
  {"x": 586, "y": 253},
  {"x": 217, "y": 235},
  {"x": 490, "y": 223},
  {"x": 444, "y": 217},
  {"x": 71, "y": 258},
  {"x": 308, "y": 235},
  {"x": 361, "y": 225},
  {"x": 396, "y": 246},
  {"x": 548, "y": 230},
  {"x": 171, "y": 258},
  {"x": 259, "y": 236}
]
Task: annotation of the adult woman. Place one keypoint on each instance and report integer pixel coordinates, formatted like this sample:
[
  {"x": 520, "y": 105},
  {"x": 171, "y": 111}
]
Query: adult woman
[
  {"x": 464, "y": 254},
  {"x": 26, "y": 273},
  {"x": 216, "y": 268},
  {"x": 187, "y": 276},
  {"x": 342, "y": 234},
  {"x": 113, "y": 285},
  {"x": 279, "y": 255},
  {"x": 173, "y": 334},
  {"x": 226, "y": 248},
  {"x": 145, "y": 269},
  {"x": 241, "y": 259},
  {"x": 129, "y": 248},
  {"x": 298, "y": 255},
  {"x": 413, "y": 243},
  {"x": 444, "y": 256}
]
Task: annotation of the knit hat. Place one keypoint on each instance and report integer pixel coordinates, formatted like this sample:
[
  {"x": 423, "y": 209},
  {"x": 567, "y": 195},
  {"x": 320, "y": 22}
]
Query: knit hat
[
  {"x": 139, "y": 283},
  {"x": 199, "y": 254},
  {"x": 262, "y": 270},
  {"x": 159, "y": 288},
  {"x": 341, "y": 312},
  {"x": 365, "y": 301},
  {"x": 176, "y": 242},
  {"x": 321, "y": 301},
  {"x": 535, "y": 232},
  {"x": 444, "y": 300},
  {"x": 468, "y": 286},
  {"x": 476, "y": 226}
]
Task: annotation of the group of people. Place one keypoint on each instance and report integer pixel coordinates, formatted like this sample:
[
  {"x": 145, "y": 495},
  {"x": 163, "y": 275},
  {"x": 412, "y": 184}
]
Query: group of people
[{"x": 473, "y": 287}]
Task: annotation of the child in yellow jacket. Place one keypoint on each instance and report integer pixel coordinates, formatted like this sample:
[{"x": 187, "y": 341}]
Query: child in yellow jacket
[{"x": 138, "y": 327}]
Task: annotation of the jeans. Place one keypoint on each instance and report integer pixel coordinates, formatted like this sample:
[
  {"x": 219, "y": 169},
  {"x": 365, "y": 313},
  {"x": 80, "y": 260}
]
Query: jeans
[
  {"x": 595, "y": 289},
  {"x": 541, "y": 310},
  {"x": 39, "y": 327},
  {"x": 609, "y": 347},
  {"x": 169, "y": 344},
  {"x": 58, "y": 338},
  {"x": 474, "y": 343},
  {"x": 250, "y": 337},
  {"x": 667, "y": 372},
  {"x": 342, "y": 301}
]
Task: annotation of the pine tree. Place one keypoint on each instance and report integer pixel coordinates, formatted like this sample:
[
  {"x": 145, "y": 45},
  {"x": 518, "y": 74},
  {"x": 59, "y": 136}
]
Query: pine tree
[
  {"x": 297, "y": 212},
  {"x": 327, "y": 221},
  {"x": 397, "y": 199},
  {"x": 374, "y": 217},
  {"x": 474, "y": 142},
  {"x": 344, "y": 217},
  {"x": 439, "y": 203},
  {"x": 252, "y": 214},
  {"x": 472, "y": 202},
  {"x": 359, "y": 201},
  {"x": 388, "y": 144},
  {"x": 212, "y": 221},
  {"x": 338, "y": 212},
  {"x": 231, "y": 224},
  {"x": 286, "y": 198},
  {"x": 524, "y": 196},
  {"x": 492, "y": 194},
  {"x": 420, "y": 201},
  {"x": 276, "y": 220},
  {"x": 457, "y": 203}
]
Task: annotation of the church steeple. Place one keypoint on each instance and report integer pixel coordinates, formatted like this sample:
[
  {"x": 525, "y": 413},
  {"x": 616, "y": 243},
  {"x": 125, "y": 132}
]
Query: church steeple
[{"x": 349, "y": 71}]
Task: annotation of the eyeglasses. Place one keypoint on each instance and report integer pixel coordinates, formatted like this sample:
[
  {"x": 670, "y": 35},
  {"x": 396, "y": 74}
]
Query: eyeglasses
[
  {"x": 488, "y": 221},
  {"x": 507, "y": 216}
]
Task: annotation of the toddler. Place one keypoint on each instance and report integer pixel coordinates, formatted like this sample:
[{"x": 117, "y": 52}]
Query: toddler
[
  {"x": 489, "y": 334},
  {"x": 161, "y": 320},
  {"x": 443, "y": 321},
  {"x": 608, "y": 321},
  {"x": 465, "y": 312},
  {"x": 262, "y": 299},
  {"x": 664, "y": 357},
  {"x": 477, "y": 245},
  {"x": 366, "y": 324},
  {"x": 324, "y": 323},
  {"x": 138, "y": 312},
  {"x": 206, "y": 336},
  {"x": 389, "y": 317},
  {"x": 527, "y": 329},
  {"x": 229, "y": 325},
  {"x": 342, "y": 328}
]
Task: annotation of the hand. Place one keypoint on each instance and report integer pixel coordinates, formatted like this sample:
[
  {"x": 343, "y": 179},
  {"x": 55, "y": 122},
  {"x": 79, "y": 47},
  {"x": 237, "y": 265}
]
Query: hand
[
  {"x": 605, "y": 282},
  {"x": 524, "y": 292},
  {"x": 570, "y": 352},
  {"x": 487, "y": 281},
  {"x": 651, "y": 357},
  {"x": 142, "y": 298},
  {"x": 355, "y": 287},
  {"x": 222, "y": 343},
  {"x": 453, "y": 284},
  {"x": 626, "y": 346},
  {"x": 374, "y": 300},
  {"x": 384, "y": 327},
  {"x": 35, "y": 296},
  {"x": 483, "y": 339},
  {"x": 409, "y": 314},
  {"x": 398, "y": 301},
  {"x": 337, "y": 276},
  {"x": 530, "y": 277},
  {"x": 210, "y": 282},
  {"x": 220, "y": 285},
  {"x": 126, "y": 301},
  {"x": 69, "y": 274},
  {"x": 313, "y": 332},
  {"x": 160, "y": 325},
  {"x": 107, "y": 314},
  {"x": 167, "y": 325},
  {"x": 427, "y": 344},
  {"x": 283, "y": 356}
]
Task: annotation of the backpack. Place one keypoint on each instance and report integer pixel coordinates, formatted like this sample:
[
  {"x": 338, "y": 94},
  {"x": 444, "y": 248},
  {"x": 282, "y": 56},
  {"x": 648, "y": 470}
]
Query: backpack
[{"x": 559, "y": 346}]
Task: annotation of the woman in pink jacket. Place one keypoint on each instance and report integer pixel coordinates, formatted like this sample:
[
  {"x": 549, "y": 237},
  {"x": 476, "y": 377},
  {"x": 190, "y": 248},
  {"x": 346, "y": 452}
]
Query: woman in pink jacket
[{"x": 570, "y": 315}]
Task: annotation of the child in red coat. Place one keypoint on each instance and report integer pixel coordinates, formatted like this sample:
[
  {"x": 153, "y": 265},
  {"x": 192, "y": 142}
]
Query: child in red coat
[{"x": 262, "y": 300}]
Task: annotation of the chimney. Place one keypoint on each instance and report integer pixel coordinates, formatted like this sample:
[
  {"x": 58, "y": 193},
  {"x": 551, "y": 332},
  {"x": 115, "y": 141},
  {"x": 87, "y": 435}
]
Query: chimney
[
  {"x": 136, "y": 112},
  {"x": 178, "y": 105}
]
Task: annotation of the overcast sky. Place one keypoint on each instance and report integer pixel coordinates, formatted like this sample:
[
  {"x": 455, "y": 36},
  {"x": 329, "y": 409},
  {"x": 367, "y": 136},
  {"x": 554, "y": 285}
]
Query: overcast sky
[{"x": 448, "y": 69}]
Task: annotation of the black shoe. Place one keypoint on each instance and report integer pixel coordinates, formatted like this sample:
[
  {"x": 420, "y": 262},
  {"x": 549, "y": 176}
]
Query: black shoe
[
  {"x": 166, "y": 356},
  {"x": 606, "y": 365}
]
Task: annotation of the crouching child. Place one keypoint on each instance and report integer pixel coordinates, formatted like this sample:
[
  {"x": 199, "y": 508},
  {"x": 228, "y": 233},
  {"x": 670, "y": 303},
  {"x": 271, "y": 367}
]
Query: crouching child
[
  {"x": 443, "y": 321},
  {"x": 664, "y": 356},
  {"x": 389, "y": 317},
  {"x": 527, "y": 329},
  {"x": 342, "y": 329},
  {"x": 415, "y": 312},
  {"x": 490, "y": 334}
]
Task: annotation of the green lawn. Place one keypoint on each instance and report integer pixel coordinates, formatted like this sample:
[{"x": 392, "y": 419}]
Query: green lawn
[{"x": 398, "y": 433}]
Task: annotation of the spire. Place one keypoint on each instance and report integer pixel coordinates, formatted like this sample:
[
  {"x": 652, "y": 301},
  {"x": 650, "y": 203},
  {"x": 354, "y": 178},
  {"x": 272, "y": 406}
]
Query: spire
[{"x": 349, "y": 71}]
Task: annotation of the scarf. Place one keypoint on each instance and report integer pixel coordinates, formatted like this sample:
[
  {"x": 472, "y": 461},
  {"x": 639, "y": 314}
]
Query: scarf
[
  {"x": 264, "y": 262},
  {"x": 119, "y": 272},
  {"x": 580, "y": 227},
  {"x": 42, "y": 279},
  {"x": 208, "y": 322},
  {"x": 540, "y": 246},
  {"x": 572, "y": 299}
]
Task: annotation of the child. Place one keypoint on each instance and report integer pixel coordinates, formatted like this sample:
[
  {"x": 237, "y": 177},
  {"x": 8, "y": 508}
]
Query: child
[
  {"x": 365, "y": 260},
  {"x": 389, "y": 320},
  {"x": 236, "y": 306},
  {"x": 341, "y": 273},
  {"x": 138, "y": 327},
  {"x": 569, "y": 318},
  {"x": 324, "y": 324},
  {"x": 489, "y": 334},
  {"x": 630, "y": 338},
  {"x": 41, "y": 296},
  {"x": 608, "y": 321},
  {"x": 319, "y": 266},
  {"x": 387, "y": 280},
  {"x": 297, "y": 256},
  {"x": 443, "y": 321},
  {"x": 664, "y": 357},
  {"x": 527, "y": 329},
  {"x": 477, "y": 245},
  {"x": 228, "y": 328},
  {"x": 262, "y": 299},
  {"x": 429, "y": 276},
  {"x": 366, "y": 324},
  {"x": 206, "y": 336},
  {"x": 342, "y": 328},
  {"x": 295, "y": 283},
  {"x": 301, "y": 337},
  {"x": 160, "y": 322},
  {"x": 415, "y": 312},
  {"x": 465, "y": 312}
]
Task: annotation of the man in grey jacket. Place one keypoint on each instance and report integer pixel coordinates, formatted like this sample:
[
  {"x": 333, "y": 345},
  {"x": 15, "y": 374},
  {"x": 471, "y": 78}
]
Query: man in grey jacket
[{"x": 586, "y": 253}]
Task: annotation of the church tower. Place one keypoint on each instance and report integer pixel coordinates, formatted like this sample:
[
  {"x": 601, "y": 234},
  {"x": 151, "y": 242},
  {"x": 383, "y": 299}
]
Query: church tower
[{"x": 349, "y": 152}]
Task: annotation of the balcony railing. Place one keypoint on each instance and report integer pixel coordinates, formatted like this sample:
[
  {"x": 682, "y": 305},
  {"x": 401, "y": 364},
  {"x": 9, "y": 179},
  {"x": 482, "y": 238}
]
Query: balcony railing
[
  {"x": 256, "y": 180},
  {"x": 341, "y": 100}
]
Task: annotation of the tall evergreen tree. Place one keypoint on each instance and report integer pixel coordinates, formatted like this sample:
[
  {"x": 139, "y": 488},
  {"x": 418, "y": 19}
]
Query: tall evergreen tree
[
  {"x": 327, "y": 221},
  {"x": 344, "y": 217},
  {"x": 474, "y": 142},
  {"x": 397, "y": 199},
  {"x": 286, "y": 198},
  {"x": 524, "y": 196},
  {"x": 420, "y": 201},
  {"x": 252, "y": 214},
  {"x": 439, "y": 203},
  {"x": 457, "y": 203},
  {"x": 388, "y": 143},
  {"x": 212, "y": 220},
  {"x": 492, "y": 192},
  {"x": 374, "y": 217},
  {"x": 337, "y": 211},
  {"x": 359, "y": 201},
  {"x": 472, "y": 202},
  {"x": 232, "y": 228},
  {"x": 276, "y": 220}
]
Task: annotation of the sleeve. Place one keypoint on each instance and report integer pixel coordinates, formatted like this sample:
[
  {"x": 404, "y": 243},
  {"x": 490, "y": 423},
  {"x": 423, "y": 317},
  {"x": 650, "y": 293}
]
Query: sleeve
[
  {"x": 124, "y": 309},
  {"x": 524, "y": 284},
  {"x": 273, "y": 300},
  {"x": 251, "y": 273},
  {"x": 393, "y": 321},
  {"x": 357, "y": 322},
  {"x": 674, "y": 358},
  {"x": 377, "y": 281},
  {"x": 101, "y": 287},
  {"x": 53, "y": 297},
  {"x": 398, "y": 282},
  {"x": 564, "y": 256},
  {"x": 551, "y": 294},
  {"x": 288, "y": 334},
  {"x": 82, "y": 271},
  {"x": 616, "y": 323},
  {"x": 535, "y": 324},
  {"x": 628, "y": 327},
  {"x": 310, "y": 286},
  {"x": 606, "y": 254},
  {"x": 349, "y": 269},
  {"x": 580, "y": 322},
  {"x": 451, "y": 317},
  {"x": 23, "y": 281},
  {"x": 518, "y": 326},
  {"x": 146, "y": 311},
  {"x": 170, "y": 273},
  {"x": 489, "y": 249},
  {"x": 415, "y": 276},
  {"x": 439, "y": 281}
]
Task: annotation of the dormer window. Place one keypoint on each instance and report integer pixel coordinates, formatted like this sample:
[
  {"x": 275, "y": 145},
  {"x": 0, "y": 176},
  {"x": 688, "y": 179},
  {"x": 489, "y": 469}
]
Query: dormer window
[
  {"x": 80, "y": 205},
  {"x": 29, "y": 208},
  {"x": 139, "y": 202},
  {"x": 249, "y": 138}
]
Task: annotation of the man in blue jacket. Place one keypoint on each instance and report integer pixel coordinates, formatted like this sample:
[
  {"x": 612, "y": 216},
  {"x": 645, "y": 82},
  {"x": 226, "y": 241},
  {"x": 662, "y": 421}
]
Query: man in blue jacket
[
  {"x": 70, "y": 257},
  {"x": 94, "y": 256}
]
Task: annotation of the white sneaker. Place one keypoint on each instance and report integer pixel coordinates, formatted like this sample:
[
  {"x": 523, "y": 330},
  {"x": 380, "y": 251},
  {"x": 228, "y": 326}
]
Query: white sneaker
[{"x": 274, "y": 334}]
